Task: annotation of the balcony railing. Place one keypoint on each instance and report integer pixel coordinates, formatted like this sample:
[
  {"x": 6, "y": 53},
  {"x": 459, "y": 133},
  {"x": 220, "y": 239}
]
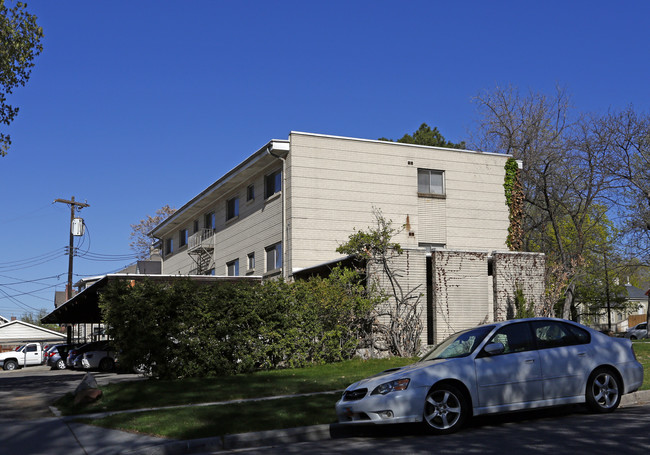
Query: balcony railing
[{"x": 203, "y": 239}]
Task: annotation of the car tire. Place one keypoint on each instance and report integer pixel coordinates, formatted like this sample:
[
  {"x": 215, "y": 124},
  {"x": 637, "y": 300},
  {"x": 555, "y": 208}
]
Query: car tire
[
  {"x": 632, "y": 337},
  {"x": 603, "y": 391},
  {"x": 59, "y": 365},
  {"x": 106, "y": 364},
  {"x": 10, "y": 365},
  {"x": 445, "y": 409}
]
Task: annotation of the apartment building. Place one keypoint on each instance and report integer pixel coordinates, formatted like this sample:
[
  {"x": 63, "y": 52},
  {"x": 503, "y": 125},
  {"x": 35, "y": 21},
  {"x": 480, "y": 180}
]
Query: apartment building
[
  {"x": 291, "y": 203},
  {"x": 287, "y": 207}
]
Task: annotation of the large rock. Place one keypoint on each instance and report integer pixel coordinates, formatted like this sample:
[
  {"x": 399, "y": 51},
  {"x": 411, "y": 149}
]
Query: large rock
[
  {"x": 87, "y": 396},
  {"x": 88, "y": 382}
]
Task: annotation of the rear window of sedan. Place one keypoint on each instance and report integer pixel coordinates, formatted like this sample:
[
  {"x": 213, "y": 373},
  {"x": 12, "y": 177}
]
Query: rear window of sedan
[{"x": 554, "y": 334}]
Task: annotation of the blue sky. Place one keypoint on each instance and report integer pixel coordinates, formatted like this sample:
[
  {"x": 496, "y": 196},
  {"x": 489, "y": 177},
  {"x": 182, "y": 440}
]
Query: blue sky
[{"x": 134, "y": 105}]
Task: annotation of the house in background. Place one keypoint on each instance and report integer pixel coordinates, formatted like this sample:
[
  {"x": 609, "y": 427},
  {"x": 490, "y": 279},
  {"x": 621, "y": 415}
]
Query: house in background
[
  {"x": 17, "y": 332},
  {"x": 285, "y": 209}
]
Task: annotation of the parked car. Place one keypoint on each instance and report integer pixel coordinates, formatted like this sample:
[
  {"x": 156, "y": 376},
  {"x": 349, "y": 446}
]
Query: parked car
[
  {"x": 57, "y": 355},
  {"x": 505, "y": 366},
  {"x": 101, "y": 359},
  {"x": 74, "y": 356},
  {"x": 30, "y": 354},
  {"x": 637, "y": 332},
  {"x": 49, "y": 352}
]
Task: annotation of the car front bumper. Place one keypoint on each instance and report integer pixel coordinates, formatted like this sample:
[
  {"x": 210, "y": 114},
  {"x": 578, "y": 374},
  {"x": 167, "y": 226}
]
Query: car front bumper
[{"x": 395, "y": 407}]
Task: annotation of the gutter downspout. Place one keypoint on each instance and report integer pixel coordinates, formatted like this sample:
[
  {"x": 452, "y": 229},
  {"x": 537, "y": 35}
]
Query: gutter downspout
[{"x": 269, "y": 150}]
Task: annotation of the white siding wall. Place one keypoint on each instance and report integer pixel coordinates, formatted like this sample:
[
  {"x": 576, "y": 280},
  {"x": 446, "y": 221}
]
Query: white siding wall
[
  {"x": 460, "y": 291},
  {"x": 258, "y": 225},
  {"x": 335, "y": 182}
]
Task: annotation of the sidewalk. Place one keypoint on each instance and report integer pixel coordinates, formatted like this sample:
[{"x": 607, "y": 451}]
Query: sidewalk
[{"x": 62, "y": 435}]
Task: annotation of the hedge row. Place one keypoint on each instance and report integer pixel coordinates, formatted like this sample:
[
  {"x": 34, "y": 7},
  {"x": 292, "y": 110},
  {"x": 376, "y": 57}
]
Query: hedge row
[{"x": 185, "y": 329}]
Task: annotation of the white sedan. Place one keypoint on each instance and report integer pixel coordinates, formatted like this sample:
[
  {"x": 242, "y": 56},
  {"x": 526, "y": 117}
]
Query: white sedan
[{"x": 501, "y": 367}]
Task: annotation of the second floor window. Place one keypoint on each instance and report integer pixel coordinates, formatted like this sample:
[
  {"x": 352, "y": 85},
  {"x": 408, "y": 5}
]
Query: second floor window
[
  {"x": 182, "y": 238},
  {"x": 232, "y": 208},
  {"x": 250, "y": 193},
  {"x": 169, "y": 246},
  {"x": 431, "y": 182},
  {"x": 272, "y": 184},
  {"x": 209, "y": 221}
]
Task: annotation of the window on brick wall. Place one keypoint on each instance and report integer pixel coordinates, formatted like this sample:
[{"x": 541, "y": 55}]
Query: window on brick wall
[{"x": 430, "y": 182}]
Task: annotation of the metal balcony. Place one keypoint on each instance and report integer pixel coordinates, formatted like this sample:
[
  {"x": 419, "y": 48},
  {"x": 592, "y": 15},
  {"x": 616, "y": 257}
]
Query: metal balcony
[{"x": 202, "y": 240}]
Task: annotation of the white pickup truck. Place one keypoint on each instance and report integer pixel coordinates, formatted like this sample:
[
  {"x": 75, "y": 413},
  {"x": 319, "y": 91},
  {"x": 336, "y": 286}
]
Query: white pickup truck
[{"x": 27, "y": 355}]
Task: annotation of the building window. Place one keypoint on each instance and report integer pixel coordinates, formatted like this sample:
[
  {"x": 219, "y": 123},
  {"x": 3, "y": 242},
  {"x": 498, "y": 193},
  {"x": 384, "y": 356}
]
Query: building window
[
  {"x": 431, "y": 182},
  {"x": 233, "y": 268},
  {"x": 169, "y": 246},
  {"x": 250, "y": 193},
  {"x": 251, "y": 261},
  {"x": 272, "y": 184},
  {"x": 209, "y": 221},
  {"x": 182, "y": 238},
  {"x": 232, "y": 208},
  {"x": 195, "y": 227},
  {"x": 273, "y": 257}
]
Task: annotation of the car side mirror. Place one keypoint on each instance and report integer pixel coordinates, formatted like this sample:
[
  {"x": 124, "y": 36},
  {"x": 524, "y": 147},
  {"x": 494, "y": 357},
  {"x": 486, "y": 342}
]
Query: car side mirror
[{"x": 495, "y": 348}]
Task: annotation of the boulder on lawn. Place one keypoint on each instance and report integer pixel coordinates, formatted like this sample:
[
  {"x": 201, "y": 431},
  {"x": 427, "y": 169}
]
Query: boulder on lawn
[
  {"x": 87, "y": 396},
  {"x": 88, "y": 382}
]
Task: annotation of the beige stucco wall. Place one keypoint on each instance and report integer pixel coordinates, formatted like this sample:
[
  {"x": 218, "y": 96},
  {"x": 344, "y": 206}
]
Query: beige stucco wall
[{"x": 336, "y": 182}]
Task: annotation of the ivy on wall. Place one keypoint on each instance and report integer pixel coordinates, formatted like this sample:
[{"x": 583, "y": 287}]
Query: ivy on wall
[{"x": 515, "y": 202}]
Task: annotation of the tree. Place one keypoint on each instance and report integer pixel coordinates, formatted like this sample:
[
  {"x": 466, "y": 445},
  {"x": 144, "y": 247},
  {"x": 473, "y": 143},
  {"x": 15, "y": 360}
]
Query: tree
[
  {"x": 140, "y": 238},
  {"x": 427, "y": 136},
  {"x": 34, "y": 318},
  {"x": 375, "y": 247},
  {"x": 562, "y": 179},
  {"x": 626, "y": 137},
  {"x": 20, "y": 41}
]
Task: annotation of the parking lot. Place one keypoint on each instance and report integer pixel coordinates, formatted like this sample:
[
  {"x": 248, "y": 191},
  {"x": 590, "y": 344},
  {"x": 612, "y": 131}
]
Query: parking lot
[{"x": 27, "y": 393}]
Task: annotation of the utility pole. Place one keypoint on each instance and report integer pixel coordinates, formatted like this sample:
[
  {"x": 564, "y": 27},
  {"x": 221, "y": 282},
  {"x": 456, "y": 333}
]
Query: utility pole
[{"x": 73, "y": 205}]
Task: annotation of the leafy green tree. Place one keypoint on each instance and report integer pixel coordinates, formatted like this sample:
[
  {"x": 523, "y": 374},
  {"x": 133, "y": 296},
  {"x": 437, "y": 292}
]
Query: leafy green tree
[
  {"x": 427, "y": 136},
  {"x": 20, "y": 43},
  {"x": 34, "y": 318},
  {"x": 181, "y": 328}
]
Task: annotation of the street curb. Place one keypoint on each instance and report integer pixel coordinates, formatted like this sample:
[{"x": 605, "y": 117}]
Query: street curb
[
  {"x": 287, "y": 436},
  {"x": 239, "y": 441}
]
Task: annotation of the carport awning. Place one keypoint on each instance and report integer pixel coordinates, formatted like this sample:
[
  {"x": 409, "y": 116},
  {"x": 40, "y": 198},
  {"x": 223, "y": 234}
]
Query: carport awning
[{"x": 83, "y": 308}]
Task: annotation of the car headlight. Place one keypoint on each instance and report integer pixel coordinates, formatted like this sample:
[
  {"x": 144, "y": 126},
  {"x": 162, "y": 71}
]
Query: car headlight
[{"x": 392, "y": 386}]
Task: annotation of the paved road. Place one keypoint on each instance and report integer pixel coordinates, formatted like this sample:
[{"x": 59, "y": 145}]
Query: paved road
[
  {"x": 557, "y": 432},
  {"x": 26, "y": 393}
]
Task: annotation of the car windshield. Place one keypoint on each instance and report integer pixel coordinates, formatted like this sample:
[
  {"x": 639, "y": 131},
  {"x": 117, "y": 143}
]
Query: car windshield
[{"x": 460, "y": 344}]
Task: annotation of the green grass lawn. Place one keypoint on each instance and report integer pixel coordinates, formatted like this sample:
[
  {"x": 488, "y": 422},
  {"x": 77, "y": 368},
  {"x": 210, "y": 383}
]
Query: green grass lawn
[
  {"x": 206, "y": 421},
  {"x": 642, "y": 352},
  {"x": 158, "y": 393}
]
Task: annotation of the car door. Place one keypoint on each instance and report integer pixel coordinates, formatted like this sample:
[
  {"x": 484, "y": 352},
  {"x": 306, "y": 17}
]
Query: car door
[
  {"x": 32, "y": 355},
  {"x": 513, "y": 375},
  {"x": 565, "y": 357}
]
